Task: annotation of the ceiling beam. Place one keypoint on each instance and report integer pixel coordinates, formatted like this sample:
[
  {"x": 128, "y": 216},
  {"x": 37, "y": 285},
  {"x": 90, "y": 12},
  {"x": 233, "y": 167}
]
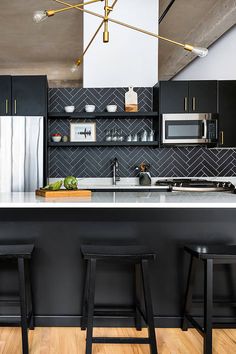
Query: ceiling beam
[{"x": 204, "y": 25}]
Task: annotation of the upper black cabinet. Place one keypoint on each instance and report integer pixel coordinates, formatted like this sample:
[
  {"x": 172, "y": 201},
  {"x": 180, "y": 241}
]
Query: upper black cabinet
[
  {"x": 5, "y": 95},
  {"x": 173, "y": 96},
  {"x": 227, "y": 109},
  {"x": 188, "y": 97},
  {"x": 202, "y": 96},
  {"x": 29, "y": 95},
  {"x": 23, "y": 95}
]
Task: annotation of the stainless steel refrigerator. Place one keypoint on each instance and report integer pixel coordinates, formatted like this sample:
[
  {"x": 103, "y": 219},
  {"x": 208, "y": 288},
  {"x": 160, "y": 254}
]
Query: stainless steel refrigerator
[{"x": 21, "y": 153}]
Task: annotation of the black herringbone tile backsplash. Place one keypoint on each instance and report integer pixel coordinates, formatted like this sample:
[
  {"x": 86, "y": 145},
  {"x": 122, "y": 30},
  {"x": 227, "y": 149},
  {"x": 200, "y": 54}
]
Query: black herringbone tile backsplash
[
  {"x": 127, "y": 126},
  {"x": 96, "y": 161},
  {"x": 100, "y": 97}
]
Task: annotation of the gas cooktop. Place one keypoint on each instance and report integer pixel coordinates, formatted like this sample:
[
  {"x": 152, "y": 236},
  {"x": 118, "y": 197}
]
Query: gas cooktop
[{"x": 196, "y": 185}]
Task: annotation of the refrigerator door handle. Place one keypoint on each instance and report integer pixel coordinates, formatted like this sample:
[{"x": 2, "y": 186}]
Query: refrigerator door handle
[{"x": 15, "y": 106}]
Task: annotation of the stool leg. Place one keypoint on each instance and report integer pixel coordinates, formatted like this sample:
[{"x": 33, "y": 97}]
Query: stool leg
[
  {"x": 208, "y": 305},
  {"x": 30, "y": 296},
  {"x": 189, "y": 292},
  {"x": 91, "y": 293},
  {"x": 148, "y": 305},
  {"x": 85, "y": 299},
  {"x": 230, "y": 276},
  {"x": 138, "y": 317},
  {"x": 23, "y": 306}
]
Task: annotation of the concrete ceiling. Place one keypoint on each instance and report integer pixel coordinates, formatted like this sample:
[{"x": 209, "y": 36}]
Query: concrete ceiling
[
  {"x": 50, "y": 47},
  {"x": 196, "y": 22}
]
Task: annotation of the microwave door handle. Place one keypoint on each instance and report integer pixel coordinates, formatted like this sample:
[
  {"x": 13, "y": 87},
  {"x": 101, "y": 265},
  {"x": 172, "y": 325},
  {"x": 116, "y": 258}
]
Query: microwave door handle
[{"x": 204, "y": 129}]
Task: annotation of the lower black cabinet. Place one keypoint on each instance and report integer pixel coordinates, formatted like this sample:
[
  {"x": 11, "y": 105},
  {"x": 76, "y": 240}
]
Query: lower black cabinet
[{"x": 227, "y": 113}]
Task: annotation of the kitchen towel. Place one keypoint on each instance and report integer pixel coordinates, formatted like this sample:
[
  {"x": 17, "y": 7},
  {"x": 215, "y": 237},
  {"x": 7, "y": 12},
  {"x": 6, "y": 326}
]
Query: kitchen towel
[{"x": 21, "y": 154}]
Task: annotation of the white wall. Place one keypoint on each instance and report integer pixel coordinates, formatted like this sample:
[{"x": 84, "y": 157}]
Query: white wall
[
  {"x": 130, "y": 58},
  {"x": 220, "y": 64}
]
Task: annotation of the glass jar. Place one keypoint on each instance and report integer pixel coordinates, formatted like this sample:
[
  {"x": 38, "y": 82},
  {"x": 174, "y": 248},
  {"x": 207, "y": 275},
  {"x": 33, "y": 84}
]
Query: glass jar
[
  {"x": 129, "y": 137},
  {"x": 135, "y": 137},
  {"x": 144, "y": 136},
  {"x": 151, "y": 135},
  {"x": 114, "y": 135},
  {"x": 122, "y": 136},
  {"x": 107, "y": 135}
]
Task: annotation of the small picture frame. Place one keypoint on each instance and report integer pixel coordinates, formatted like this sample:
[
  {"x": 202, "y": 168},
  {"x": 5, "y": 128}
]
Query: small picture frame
[{"x": 83, "y": 132}]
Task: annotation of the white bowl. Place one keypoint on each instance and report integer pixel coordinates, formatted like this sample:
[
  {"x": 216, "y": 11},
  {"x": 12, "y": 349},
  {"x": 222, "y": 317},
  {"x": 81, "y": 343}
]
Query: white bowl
[
  {"x": 69, "y": 109},
  {"x": 56, "y": 139},
  {"x": 112, "y": 108},
  {"x": 89, "y": 108}
]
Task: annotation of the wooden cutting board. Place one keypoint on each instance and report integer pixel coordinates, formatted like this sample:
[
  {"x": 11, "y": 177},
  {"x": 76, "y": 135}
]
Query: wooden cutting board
[
  {"x": 63, "y": 193},
  {"x": 131, "y": 100}
]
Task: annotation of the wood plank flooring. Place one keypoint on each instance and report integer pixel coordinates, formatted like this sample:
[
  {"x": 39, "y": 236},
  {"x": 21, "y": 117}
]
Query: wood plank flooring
[{"x": 72, "y": 341}]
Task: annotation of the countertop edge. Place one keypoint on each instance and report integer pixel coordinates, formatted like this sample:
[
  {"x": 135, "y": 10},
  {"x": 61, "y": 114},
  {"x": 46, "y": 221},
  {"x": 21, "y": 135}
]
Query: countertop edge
[{"x": 13, "y": 205}]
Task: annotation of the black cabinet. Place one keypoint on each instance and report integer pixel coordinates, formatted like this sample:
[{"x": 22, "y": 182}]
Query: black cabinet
[
  {"x": 188, "y": 97},
  {"x": 5, "y": 95},
  {"x": 202, "y": 97},
  {"x": 227, "y": 113},
  {"x": 173, "y": 96},
  {"x": 29, "y": 95}
]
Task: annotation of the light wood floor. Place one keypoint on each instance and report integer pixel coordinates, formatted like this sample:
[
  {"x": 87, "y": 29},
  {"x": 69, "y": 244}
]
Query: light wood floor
[{"x": 72, "y": 341}]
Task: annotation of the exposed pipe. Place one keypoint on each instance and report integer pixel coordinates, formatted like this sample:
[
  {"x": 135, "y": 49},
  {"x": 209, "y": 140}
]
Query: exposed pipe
[{"x": 166, "y": 11}]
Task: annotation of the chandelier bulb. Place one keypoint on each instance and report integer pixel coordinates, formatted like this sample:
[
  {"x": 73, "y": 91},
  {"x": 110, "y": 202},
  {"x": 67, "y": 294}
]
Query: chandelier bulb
[
  {"x": 201, "y": 52},
  {"x": 75, "y": 67},
  {"x": 39, "y": 16}
]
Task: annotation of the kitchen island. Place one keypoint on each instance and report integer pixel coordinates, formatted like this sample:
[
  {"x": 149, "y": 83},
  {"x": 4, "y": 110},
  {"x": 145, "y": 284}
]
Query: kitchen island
[
  {"x": 134, "y": 199},
  {"x": 164, "y": 221}
]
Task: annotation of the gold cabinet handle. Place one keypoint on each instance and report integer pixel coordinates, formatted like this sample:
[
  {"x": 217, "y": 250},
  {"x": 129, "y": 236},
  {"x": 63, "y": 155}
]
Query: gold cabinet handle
[
  {"x": 222, "y": 137},
  {"x": 7, "y": 102},
  {"x": 15, "y": 106},
  {"x": 194, "y": 103},
  {"x": 185, "y": 104}
]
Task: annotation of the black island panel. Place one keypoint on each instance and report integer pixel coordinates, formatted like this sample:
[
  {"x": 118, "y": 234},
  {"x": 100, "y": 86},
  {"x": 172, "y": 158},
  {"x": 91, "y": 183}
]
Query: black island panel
[{"x": 58, "y": 269}]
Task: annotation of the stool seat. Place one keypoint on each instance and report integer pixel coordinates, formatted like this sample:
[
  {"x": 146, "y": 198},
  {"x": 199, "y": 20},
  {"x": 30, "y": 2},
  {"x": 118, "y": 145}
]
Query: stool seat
[
  {"x": 212, "y": 251},
  {"x": 15, "y": 251},
  {"x": 120, "y": 251}
]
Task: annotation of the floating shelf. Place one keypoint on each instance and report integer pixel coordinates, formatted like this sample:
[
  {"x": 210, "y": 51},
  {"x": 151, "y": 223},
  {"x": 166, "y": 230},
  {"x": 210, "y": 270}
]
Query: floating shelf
[
  {"x": 94, "y": 115},
  {"x": 105, "y": 143}
]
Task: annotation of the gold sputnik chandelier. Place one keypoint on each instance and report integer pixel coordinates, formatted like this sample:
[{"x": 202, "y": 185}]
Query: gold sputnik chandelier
[{"x": 40, "y": 16}]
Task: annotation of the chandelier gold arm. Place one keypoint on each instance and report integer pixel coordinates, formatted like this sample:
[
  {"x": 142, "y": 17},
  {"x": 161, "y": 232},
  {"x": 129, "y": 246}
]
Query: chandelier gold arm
[
  {"x": 185, "y": 46},
  {"x": 106, "y": 32},
  {"x": 79, "y": 61},
  {"x": 69, "y": 7}
]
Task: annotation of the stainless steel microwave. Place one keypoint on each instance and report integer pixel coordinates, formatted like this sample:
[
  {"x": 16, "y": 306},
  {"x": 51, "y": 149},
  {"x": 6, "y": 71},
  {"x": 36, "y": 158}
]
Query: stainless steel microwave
[{"x": 187, "y": 129}]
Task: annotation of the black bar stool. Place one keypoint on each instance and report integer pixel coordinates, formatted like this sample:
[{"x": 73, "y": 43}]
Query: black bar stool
[
  {"x": 209, "y": 255},
  {"x": 140, "y": 257},
  {"x": 22, "y": 254}
]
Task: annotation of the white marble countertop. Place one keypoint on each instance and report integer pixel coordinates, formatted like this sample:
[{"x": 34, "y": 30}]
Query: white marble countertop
[{"x": 123, "y": 200}]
